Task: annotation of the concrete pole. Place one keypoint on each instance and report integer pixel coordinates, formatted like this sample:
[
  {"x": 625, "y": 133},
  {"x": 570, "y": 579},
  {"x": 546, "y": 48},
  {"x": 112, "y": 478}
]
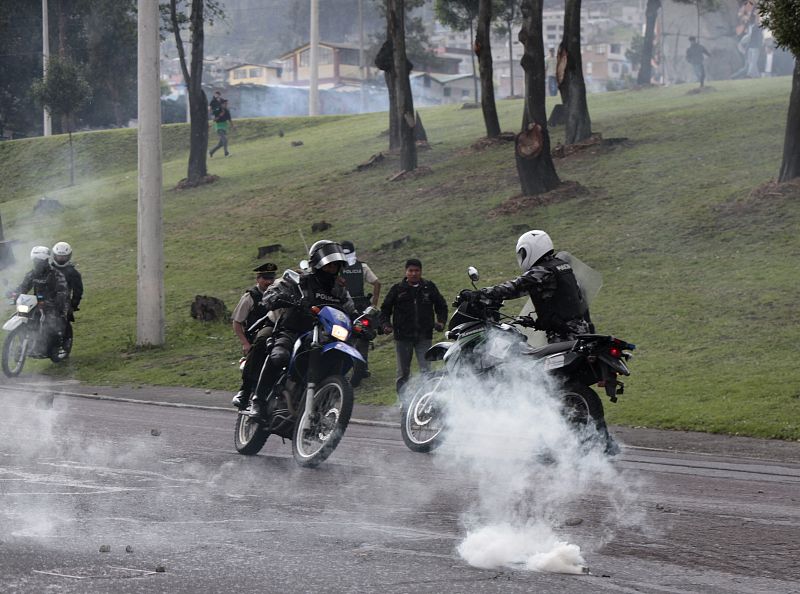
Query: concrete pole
[
  {"x": 313, "y": 89},
  {"x": 150, "y": 283},
  {"x": 48, "y": 121},
  {"x": 362, "y": 70}
]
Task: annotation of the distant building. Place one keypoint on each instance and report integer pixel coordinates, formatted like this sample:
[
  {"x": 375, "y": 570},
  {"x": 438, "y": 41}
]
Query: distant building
[
  {"x": 338, "y": 64},
  {"x": 254, "y": 74},
  {"x": 437, "y": 89}
]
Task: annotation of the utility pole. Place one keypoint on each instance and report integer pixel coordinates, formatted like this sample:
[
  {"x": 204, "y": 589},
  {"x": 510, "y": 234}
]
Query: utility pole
[
  {"x": 362, "y": 70},
  {"x": 150, "y": 269},
  {"x": 313, "y": 89},
  {"x": 48, "y": 121}
]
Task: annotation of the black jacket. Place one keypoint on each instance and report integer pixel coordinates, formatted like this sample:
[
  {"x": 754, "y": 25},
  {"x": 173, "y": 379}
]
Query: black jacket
[
  {"x": 50, "y": 285},
  {"x": 554, "y": 290},
  {"x": 314, "y": 292},
  {"x": 74, "y": 283},
  {"x": 411, "y": 310}
]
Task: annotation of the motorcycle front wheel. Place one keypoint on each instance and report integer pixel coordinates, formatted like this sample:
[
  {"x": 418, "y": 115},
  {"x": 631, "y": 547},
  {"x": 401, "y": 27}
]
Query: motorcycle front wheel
[
  {"x": 15, "y": 350},
  {"x": 422, "y": 420},
  {"x": 249, "y": 435},
  {"x": 317, "y": 433},
  {"x": 583, "y": 408}
]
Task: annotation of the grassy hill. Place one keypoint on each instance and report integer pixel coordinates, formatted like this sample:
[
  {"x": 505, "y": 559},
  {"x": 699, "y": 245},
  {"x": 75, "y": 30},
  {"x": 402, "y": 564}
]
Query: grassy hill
[{"x": 698, "y": 271}]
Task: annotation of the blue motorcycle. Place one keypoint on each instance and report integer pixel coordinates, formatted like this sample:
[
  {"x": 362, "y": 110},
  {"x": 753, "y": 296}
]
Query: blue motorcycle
[{"x": 312, "y": 401}]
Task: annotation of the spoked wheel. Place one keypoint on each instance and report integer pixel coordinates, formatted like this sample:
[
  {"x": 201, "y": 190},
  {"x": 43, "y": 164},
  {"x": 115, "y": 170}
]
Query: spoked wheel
[
  {"x": 250, "y": 435},
  {"x": 15, "y": 350},
  {"x": 318, "y": 432},
  {"x": 583, "y": 409},
  {"x": 422, "y": 419}
]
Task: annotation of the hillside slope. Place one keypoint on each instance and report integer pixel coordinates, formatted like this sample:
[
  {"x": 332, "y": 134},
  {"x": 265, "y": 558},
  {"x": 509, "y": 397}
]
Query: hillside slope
[{"x": 698, "y": 272}]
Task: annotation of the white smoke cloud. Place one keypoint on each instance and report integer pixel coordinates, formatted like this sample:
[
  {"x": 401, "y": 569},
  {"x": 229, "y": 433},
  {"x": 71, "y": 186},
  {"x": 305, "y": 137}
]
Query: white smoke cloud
[{"x": 534, "y": 473}]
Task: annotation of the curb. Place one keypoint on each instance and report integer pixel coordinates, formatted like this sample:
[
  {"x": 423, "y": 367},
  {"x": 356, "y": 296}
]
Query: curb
[{"x": 366, "y": 422}]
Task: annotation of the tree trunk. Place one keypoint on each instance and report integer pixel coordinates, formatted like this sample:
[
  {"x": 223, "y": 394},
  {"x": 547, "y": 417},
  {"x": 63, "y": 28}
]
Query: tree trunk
[
  {"x": 790, "y": 168},
  {"x": 198, "y": 104},
  {"x": 646, "y": 70},
  {"x": 511, "y": 57},
  {"x": 537, "y": 174},
  {"x": 483, "y": 44},
  {"x": 71, "y": 158},
  {"x": 572, "y": 86},
  {"x": 394, "y": 128},
  {"x": 405, "y": 101},
  {"x": 472, "y": 59}
]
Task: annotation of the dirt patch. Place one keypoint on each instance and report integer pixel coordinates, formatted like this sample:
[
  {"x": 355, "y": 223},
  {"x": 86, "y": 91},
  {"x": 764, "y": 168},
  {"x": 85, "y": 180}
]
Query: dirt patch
[
  {"x": 593, "y": 145},
  {"x": 700, "y": 90},
  {"x": 765, "y": 206},
  {"x": 185, "y": 185},
  {"x": 517, "y": 204},
  {"x": 485, "y": 143},
  {"x": 420, "y": 171}
]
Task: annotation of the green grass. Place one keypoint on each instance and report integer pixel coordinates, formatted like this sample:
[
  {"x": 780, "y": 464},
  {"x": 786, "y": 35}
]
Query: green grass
[{"x": 699, "y": 274}]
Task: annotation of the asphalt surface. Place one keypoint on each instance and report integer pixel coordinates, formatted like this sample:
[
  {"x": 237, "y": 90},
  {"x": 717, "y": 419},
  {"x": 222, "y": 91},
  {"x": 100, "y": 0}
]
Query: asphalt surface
[{"x": 153, "y": 470}]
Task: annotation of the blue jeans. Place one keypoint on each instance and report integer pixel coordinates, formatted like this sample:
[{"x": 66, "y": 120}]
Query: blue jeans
[{"x": 405, "y": 350}]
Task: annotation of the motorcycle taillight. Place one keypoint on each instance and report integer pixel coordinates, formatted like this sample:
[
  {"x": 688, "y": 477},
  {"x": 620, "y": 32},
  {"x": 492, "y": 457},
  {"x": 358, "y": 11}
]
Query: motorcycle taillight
[{"x": 615, "y": 352}]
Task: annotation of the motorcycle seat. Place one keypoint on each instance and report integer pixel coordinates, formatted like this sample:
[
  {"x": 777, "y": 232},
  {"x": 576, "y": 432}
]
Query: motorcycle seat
[{"x": 550, "y": 349}]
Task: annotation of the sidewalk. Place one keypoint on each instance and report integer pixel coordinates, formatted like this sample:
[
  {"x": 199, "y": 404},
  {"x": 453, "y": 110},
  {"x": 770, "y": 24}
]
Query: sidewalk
[{"x": 389, "y": 416}]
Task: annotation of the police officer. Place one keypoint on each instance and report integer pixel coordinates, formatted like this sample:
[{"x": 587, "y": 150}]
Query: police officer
[
  {"x": 48, "y": 283},
  {"x": 248, "y": 311},
  {"x": 290, "y": 304},
  {"x": 62, "y": 256},
  {"x": 561, "y": 310},
  {"x": 355, "y": 273}
]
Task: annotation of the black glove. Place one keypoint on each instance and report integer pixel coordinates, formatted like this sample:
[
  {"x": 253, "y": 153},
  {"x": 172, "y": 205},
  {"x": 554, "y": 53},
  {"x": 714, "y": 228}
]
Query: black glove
[{"x": 469, "y": 296}]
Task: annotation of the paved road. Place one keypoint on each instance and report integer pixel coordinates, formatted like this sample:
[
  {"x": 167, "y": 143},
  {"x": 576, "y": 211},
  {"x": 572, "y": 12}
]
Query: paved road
[{"x": 77, "y": 474}]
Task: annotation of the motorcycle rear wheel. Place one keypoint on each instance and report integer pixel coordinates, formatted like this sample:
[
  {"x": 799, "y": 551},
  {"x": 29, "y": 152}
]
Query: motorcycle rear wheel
[
  {"x": 15, "y": 351},
  {"x": 318, "y": 433},
  {"x": 249, "y": 435},
  {"x": 421, "y": 422},
  {"x": 582, "y": 406}
]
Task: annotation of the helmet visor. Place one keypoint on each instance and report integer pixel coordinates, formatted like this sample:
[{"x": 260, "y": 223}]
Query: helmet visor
[{"x": 325, "y": 254}]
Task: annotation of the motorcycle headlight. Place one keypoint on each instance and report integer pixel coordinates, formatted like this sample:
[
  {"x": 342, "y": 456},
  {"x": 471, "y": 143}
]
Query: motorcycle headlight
[
  {"x": 340, "y": 332},
  {"x": 24, "y": 309}
]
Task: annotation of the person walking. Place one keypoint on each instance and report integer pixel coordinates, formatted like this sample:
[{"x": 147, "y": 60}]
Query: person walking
[
  {"x": 695, "y": 55},
  {"x": 550, "y": 67},
  {"x": 215, "y": 105},
  {"x": 222, "y": 123},
  {"x": 412, "y": 310}
]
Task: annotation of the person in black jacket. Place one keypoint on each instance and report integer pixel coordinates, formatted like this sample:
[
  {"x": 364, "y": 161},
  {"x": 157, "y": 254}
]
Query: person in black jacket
[
  {"x": 561, "y": 310},
  {"x": 408, "y": 311},
  {"x": 62, "y": 256}
]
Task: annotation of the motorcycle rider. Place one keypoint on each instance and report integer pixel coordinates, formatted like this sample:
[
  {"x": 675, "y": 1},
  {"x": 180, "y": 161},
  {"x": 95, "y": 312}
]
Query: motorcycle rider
[
  {"x": 51, "y": 287},
  {"x": 355, "y": 274},
  {"x": 62, "y": 256},
  {"x": 291, "y": 308},
  {"x": 561, "y": 310}
]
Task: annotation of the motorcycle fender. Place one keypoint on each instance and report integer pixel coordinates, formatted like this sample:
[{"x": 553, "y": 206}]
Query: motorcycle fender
[
  {"x": 559, "y": 361},
  {"x": 437, "y": 351},
  {"x": 345, "y": 348},
  {"x": 617, "y": 365},
  {"x": 14, "y": 323}
]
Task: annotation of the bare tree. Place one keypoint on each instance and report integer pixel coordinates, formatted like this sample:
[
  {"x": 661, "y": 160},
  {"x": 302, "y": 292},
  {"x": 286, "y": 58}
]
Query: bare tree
[
  {"x": 646, "y": 69},
  {"x": 537, "y": 174},
  {"x": 570, "y": 76},
  {"x": 406, "y": 121},
  {"x": 483, "y": 48},
  {"x": 193, "y": 77}
]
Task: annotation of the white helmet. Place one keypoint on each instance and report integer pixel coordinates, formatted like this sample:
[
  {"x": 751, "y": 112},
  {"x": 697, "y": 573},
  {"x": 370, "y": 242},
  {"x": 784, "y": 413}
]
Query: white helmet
[
  {"x": 40, "y": 253},
  {"x": 62, "y": 252},
  {"x": 531, "y": 246}
]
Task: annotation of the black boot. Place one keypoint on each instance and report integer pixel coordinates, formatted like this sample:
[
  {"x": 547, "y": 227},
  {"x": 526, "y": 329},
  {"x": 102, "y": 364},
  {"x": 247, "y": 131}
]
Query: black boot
[{"x": 242, "y": 399}]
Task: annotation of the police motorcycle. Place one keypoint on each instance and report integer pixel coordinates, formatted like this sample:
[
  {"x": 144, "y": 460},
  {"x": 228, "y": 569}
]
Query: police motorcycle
[
  {"x": 30, "y": 335},
  {"x": 589, "y": 360},
  {"x": 311, "y": 401}
]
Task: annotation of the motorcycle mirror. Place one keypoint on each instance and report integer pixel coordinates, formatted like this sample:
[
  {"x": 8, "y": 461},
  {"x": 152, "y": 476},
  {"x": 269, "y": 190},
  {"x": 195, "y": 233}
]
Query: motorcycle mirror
[
  {"x": 473, "y": 274},
  {"x": 304, "y": 266}
]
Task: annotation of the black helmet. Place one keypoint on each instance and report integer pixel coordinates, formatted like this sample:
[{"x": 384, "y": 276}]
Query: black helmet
[
  {"x": 348, "y": 247},
  {"x": 324, "y": 252}
]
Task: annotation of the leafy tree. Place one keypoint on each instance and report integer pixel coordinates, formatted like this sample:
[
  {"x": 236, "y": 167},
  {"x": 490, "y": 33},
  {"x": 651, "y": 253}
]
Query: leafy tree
[
  {"x": 178, "y": 20},
  {"x": 570, "y": 76},
  {"x": 634, "y": 53},
  {"x": 460, "y": 15},
  {"x": 62, "y": 92},
  {"x": 702, "y": 7},
  {"x": 537, "y": 174},
  {"x": 782, "y": 17},
  {"x": 508, "y": 15}
]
